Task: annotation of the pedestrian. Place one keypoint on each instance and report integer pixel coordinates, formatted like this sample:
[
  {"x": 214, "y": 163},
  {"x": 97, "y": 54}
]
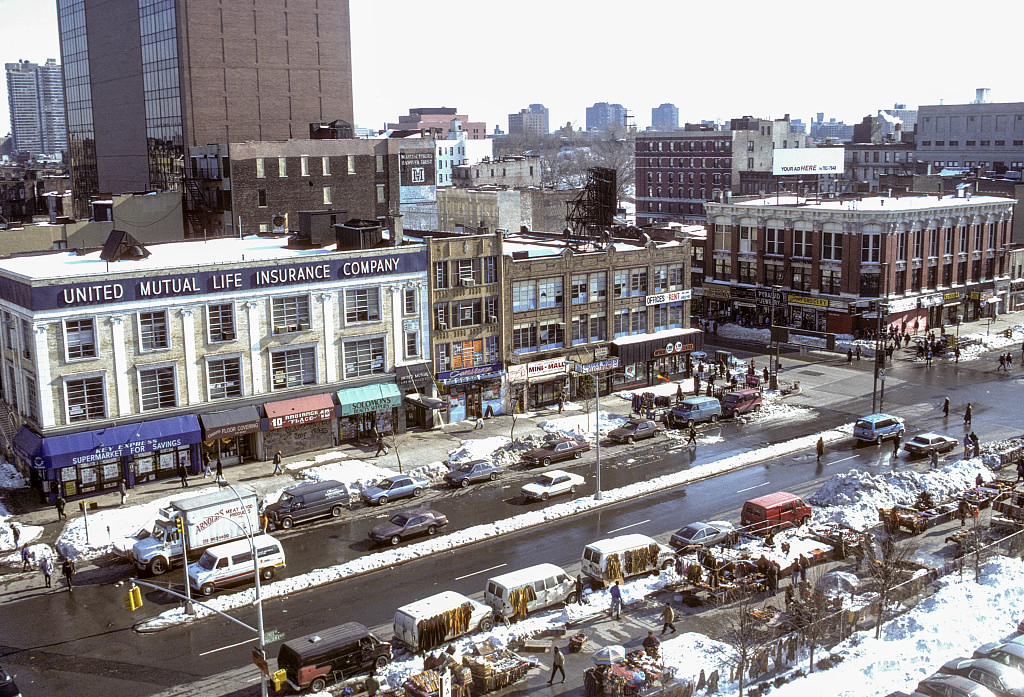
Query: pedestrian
[
  {"x": 794, "y": 572},
  {"x": 945, "y": 408},
  {"x": 122, "y": 488},
  {"x": 182, "y": 472},
  {"x": 1020, "y": 466},
  {"x": 557, "y": 664},
  {"x": 849, "y": 355},
  {"x": 1009, "y": 360},
  {"x": 963, "y": 510},
  {"x": 46, "y": 566},
  {"x": 773, "y": 578},
  {"x": 220, "y": 469},
  {"x": 479, "y": 423},
  {"x": 967, "y": 446},
  {"x": 769, "y": 540},
  {"x": 933, "y": 458},
  {"x": 679, "y": 393},
  {"x": 896, "y": 445},
  {"x": 804, "y": 563},
  {"x": 979, "y": 480},
  {"x": 206, "y": 465},
  {"x": 967, "y": 415},
  {"x": 820, "y": 447},
  {"x": 696, "y": 384},
  {"x": 616, "y": 594},
  {"x": 60, "y": 507},
  {"x": 975, "y": 445},
  {"x": 561, "y": 402},
  {"x": 26, "y": 558},
  {"x": 16, "y": 531},
  {"x": 764, "y": 373},
  {"x": 381, "y": 446},
  {"x": 264, "y": 519},
  {"x": 579, "y": 589},
  {"x": 692, "y": 436},
  {"x": 68, "y": 569},
  {"x": 651, "y": 644},
  {"x": 668, "y": 615},
  {"x": 858, "y": 352},
  {"x": 372, "y": 685},
  {"x": 956, "y": 354},
  {"x": 277, "y": 459},
  {"x": 1002, "y": 361}
]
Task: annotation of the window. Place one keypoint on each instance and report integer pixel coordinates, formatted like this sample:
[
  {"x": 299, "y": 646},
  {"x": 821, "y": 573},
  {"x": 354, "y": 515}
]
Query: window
[
  {"x": 676, "y": 277},
  {"x": 550, "y": 292},
  {"x": 918, "y": 243},
  {"x": 261, "y": 199},
  {"x": 441, "y": 316},
  {"x": 933, "y": 242},
  {"x": 221, "y": 322},
  {"x": 524, "y": 337},
  {"x": 748, "y": 272},
  {"x": 224, "y": 377},
  {"x": 85, "y": 399},
  {"x": 290, "y": 314},
  {"x": 304, "y": 165},
  {"x": 293, "y": 367},
  {"x": 659, "y": 316},
  {"x": 444, "y": 358},
  {"x": 261, "y": 171},
  {"x": 440, "y": 274},
  {"x": 9, "y": 331},
  {"x": 830, "y": 281},
  {"x": 870, "y": 247},
  {"x": 490, "y": 269},
  {"x": 660, "y": 280},
  {"x": 580, "y": 324},
  {"x": 380, "y": 163},
  {"x": 723, "y": 269},
  {"x": 637, "y": 281},
  {"x": 524, "y": 296},
  {"x": 153, "y": 331},
  {"x": 978, "y": 244},
  {"x": 598, "y": 328},
  {"x": 774, "y": 240},
  {"x": 362, "y": 305},
  {"x": 412, "y": 344},
  {"x": 381, "y": 198},
  {"x": 901, "y": 246},
  {"x": 620, "y": 325},
  {"x": 551, "y": 334},
  {"x": 156, "y": 388},
  {"x": 748, "y": 239},
  {"x": 80, "y": 339},
  {"x": 621, "y": 288},
  {"x": 947, "y": 240},
  {"x": 467, "y": 313},
  {"x": 578, "y": 288},
  {"x": 410, "y": 303},
  {"x": 773, "y": 275},
  {"x": 801, "y": 242},
  {"x": 638, "y": 321},
  {"x": 723, "y": 237},
  {"x": 327, "y": 196},
  {"x": 32, "y": 397},
  {"x": 832, "y": 245},
  {"x": 26, "y": 338},
  {"x": 282, "y": 166},
  {"x": 801, "y": 279},
  {"x": 598, "y": 286},
  {"x": 325, "y": 164},
  {"x": 467, "y": 269},
  {"x": 963, "y": 239}
]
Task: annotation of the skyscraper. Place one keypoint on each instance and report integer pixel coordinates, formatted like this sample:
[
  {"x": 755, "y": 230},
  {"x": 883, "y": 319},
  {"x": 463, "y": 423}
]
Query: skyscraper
[
  {"x": 36, "y": 96},
  {"x": 604, "y": 115},
  {"x": 149, "y": 78},
  {"x": 530, "y": 121},
  {"x": 665, "y": 117}
]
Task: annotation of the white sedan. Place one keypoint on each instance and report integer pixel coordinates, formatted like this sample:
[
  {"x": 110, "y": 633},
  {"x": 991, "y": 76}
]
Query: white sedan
[
  {"x": 925, "y": 443},
  {"x": 551, "y": 484}
]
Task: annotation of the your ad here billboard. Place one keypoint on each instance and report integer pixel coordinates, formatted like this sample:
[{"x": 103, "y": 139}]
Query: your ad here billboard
[{"x": 799, "y": 161}]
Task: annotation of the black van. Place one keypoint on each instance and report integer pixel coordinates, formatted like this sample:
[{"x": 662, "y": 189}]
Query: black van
[
  {"x": 325, "y": 658},
  {"x": 307, "y": 501}
]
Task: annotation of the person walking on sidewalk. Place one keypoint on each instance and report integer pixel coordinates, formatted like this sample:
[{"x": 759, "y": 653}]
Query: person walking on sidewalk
[
  {"x": 16, "y": 531},
  {"x": 277, "y": 463},
  {"x": 182, "y": 472},
  {"x": 579, "y": 589},
  {"x": 967, "y": 415},
  {"x": 561, "y": 402},
  {"x": 1020, "y": 466},
  {"x": 933, "y": 459},
  {"x": 68, "y": 569},
  {"x": 26, "y": 558},
  {"x": 122, "y": 488},
  {"x": 849, "y": 355},
  {"x": 1002, "y": 361},
  {"x": 896, "y": 440},
  {"x": 60, "y": 507},
  {"x": 220, "y": 469},
  {"x": 479, "y": 423},
  {"x": 381, "y": 445},
  {"x": 46, "y": 566},
  {"x": 945, "y": 408},
  {"x": 557, "y": 665},
  {"x": 691, "y": 438},
  {"x": 668, "y": 615},
  {"x": 820, "y": 447},
  {"x": 206, "y": 465},
  {"x": 616, "y": 594}
]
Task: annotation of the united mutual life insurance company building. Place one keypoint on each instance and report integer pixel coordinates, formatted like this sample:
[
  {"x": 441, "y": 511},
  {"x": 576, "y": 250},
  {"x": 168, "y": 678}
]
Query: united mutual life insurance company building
[{"x": 234, "y": 348}]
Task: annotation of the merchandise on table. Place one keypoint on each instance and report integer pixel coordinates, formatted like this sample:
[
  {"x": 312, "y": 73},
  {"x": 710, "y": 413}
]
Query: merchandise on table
[{"x": 493, "y": 668}]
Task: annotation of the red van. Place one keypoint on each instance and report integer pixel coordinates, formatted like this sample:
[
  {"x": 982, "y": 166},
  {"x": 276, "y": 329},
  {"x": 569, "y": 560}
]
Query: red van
[{"x": 774, "y": 512}]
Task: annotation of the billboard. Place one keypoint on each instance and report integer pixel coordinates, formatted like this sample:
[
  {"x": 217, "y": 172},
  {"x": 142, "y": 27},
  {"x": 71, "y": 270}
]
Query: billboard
[
  {"x": 800, "y": 161},
  {"x": 416, "y": 175}
]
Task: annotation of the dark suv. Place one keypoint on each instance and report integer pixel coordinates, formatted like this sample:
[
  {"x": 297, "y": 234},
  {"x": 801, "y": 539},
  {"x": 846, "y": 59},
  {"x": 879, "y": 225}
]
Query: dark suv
[
  {"x": 307, "y": 501},
  {"x": 329, "y": 656}
]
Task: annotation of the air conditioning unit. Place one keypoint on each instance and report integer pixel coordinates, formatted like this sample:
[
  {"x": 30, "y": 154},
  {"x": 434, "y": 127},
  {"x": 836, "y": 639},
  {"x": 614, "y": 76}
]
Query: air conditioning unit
[
  {"x": 227, "y": 336},
  {"x": 492, "y": 319},
  {"x": 443, "y": 326},
  {"x": 279, "y": 224},
  {"x": 303, "y": 326},
  {"x": 284, "y": 328},
  {"x": 467, "y": 282}
]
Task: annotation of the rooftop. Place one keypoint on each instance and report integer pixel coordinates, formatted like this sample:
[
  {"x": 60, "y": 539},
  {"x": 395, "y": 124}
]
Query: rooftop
[{"x": 871, "y": 204}]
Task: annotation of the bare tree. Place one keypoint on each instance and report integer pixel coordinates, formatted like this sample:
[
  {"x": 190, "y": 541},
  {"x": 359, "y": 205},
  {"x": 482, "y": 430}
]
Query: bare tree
[
  {"x": 887, "y": 570},
  {"x": 743, "y": 634},
  {"x": 394, "y": 440},
  {"x": 812, "y": 614},
  {"x": 585, "y": 394}
]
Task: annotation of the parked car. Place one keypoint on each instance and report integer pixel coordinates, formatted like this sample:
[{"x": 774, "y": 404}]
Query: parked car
[
  {"x": 555, "y": 451},
  {"x": 925, "y": 443},
  {"x": 8, "y": 688},
  {"x": 391, "y": 488},
  {"x": 634, "y": 430},
  {"x": 694, "y": 411},
  {"x": 1010, "y": 653},
  {"x": 1003, "y": 680},
  {"x": 944, "y": 685},
  {"x": 696, "y": 535},
  {"x": 874, "y": 428},
  {"x": 473, "y": 471},
  {"x": 740, "y": 402},
  {"x": 331, "y": 655},
  {"x": 307, "y": 501},
  {"x": 407, "y": 524},
  {"x": 552, "y": 483},
  {"x": 774, "y": 512}
]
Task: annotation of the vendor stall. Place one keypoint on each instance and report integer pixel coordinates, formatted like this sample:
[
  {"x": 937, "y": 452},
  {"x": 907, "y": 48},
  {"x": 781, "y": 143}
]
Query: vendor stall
[
  {"x": 492, "y": 669},
  {"x": 622, "y": 675}
]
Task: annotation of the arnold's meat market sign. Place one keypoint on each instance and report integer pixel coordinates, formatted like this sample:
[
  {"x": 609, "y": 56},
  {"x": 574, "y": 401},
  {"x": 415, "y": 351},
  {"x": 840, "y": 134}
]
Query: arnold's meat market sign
[{"x": 789, "y": 162}]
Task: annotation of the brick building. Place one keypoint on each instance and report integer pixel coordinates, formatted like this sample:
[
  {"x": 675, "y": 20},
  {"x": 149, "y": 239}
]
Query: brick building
[
  {"x": 513, "y": 171},
  {"x": 438, "y": 121}
]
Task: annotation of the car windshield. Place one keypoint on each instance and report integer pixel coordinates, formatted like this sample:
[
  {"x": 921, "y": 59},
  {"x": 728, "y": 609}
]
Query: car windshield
[
  {"x": 730, "y": 399},
  {"x": 467, "y": 467},
  {"x": 207, "y": 561},
  {"x": 921, "y": 441},
  {"x": 545, "y": 481},
  {"x": 158, "y": 534},
  {"x": 688, "y": 532},
  {"x": 400, "y": 520},
  {"x": 385, "y": 484},
  {"x": 285, "y": 499}
]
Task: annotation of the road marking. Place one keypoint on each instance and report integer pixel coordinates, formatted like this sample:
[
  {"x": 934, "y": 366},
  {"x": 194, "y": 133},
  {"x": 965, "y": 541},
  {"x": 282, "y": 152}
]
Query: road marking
[
  {"x": 758, "y": 486},
  {"x": 843, "y": 460},
  {"x": 482, "y": 571},
  {"x": 222, "y": 648},
  {"x": 626, "y": 527}
]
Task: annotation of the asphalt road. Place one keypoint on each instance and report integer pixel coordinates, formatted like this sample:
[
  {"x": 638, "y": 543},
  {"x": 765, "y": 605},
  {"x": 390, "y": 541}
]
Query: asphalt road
[{"x": 83, "y": 643}]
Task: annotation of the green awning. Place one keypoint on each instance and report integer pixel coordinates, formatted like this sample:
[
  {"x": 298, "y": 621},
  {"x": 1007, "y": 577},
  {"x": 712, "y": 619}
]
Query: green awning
[{"x": 360, "y": 400}]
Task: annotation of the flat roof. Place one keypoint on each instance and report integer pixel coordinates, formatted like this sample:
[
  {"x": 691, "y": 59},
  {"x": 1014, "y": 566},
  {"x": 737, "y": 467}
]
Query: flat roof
[{"x": 871, "y": 204}]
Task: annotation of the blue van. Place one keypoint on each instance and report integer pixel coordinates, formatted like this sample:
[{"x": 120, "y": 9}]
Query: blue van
[
  {"x": 694, "y": 410},
  {"x": 874, "y": 428}
]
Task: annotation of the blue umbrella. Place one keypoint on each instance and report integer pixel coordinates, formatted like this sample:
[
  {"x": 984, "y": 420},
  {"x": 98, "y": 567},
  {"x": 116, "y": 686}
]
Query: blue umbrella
[{"x": 609, "y": 654}]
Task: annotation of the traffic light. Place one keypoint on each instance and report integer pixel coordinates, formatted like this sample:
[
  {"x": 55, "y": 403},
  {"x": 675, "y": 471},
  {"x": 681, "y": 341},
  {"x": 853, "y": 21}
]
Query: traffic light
[
  {"x": 278, "y": 678},
  {"x": 1008, "y": 333},
  {"x": 133, "y": 599},
  {"x": 179, "y": 523}
]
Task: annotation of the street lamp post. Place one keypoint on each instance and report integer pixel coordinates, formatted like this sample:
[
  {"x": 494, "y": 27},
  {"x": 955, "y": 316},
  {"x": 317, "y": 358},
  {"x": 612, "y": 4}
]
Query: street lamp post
[{"x": 250, "y": 535}]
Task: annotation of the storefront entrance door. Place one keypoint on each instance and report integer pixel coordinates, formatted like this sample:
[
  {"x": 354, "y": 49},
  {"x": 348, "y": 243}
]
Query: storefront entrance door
[{"x": 473, "y": 404}]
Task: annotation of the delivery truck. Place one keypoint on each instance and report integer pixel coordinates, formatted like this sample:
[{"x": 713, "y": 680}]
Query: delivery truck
[{"x": 206, "y": 520}]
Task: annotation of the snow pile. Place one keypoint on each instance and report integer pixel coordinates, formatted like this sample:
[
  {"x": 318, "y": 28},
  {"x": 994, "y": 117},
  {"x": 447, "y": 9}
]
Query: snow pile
[
  {"x": 853, "y": 498},
  {"x": 356, "y": 475}
]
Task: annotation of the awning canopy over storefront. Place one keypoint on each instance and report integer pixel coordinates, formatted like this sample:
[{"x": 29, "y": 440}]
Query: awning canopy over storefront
[
  {"x": 414, "y": 377},
  {"x": 302, "y": 410},
  {"x": 424, "y": 401},
  {"x": 361, "y": 400},
  {"x": 227, "y": 424},
  {"x": 104, "y": 444},
  {"x": 646, "y": 347}
]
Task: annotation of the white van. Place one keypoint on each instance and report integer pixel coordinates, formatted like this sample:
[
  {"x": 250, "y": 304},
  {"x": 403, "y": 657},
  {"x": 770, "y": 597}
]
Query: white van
[
  {"x": 223, "y": 565},
  {"x": 624, "y": 557},
  {"x": 426, "y": 624},
  {"x": 549, "y": 585}
]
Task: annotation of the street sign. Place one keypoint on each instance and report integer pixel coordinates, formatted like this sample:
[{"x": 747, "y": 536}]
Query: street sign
[
  {"x": 272, "y": 635},
  {"x": 259, "y": 660},
  {"x": 881, "y": 374}
]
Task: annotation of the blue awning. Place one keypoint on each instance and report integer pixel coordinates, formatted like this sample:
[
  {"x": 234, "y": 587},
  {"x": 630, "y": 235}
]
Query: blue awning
[{"x": 116, "y": 441}]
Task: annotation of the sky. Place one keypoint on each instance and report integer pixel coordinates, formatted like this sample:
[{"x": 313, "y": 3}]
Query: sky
[{"x": 492, "y": 59}]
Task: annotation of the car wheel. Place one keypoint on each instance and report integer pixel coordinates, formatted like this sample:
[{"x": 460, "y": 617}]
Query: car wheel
[
  {"x": 571, "y": 598},
  {"x": 546, "y": 461},
  {"x": 336, "y": 511},
  {"x": 318, "y": 684},
  {"x": 630, "y": 440},
  {"x": 878, "y": 440},
  {"x": 267, "y": 573},
  {"x": 544, "y": 496},
  {"x": 464, "y": 483},
  {"x": 486, "y": 624},
  {"x": 494, "y": 476},
  {"x": 667, "y": 564},
  {"x": 417, "y": 492},
  {"x": 158, "y": 566},
  {"x": 578, "y": 454},
  {"x": 207, "y": 589},
  {"x": 286, "y": 523},
  {"x": 381, "y": 663},
  {"x": 757, "y": 407},
  {"x": 714, "y": 418},
  {"x": 395, "y": 539},
  {"x": 432, "y": 529},
  {"x": 382, "y": 500},
  {"x": 572, "y": 490},
  {"x": 804, "y": 521}
]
